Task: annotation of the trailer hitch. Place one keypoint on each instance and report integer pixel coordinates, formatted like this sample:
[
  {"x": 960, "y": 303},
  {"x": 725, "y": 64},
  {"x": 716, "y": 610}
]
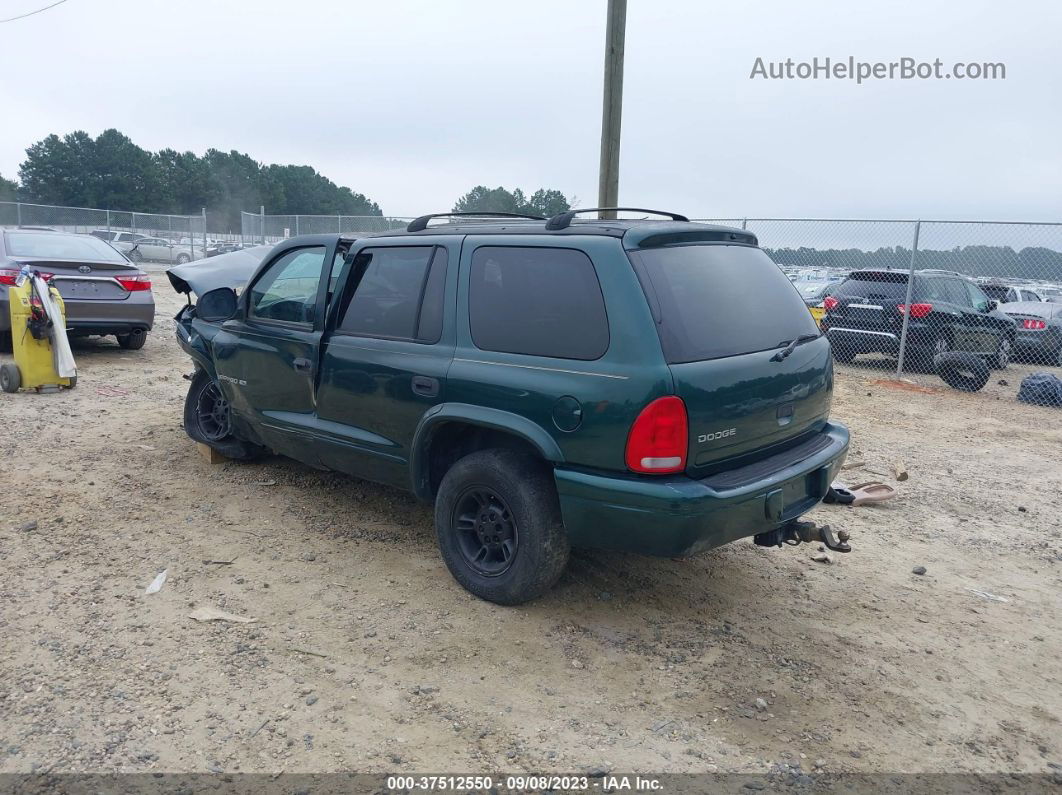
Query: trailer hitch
[{"x": 797, "y": 532}]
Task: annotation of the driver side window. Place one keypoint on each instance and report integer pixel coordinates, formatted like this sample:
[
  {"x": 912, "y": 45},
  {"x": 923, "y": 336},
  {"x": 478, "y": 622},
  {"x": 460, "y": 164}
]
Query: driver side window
[{"x": 287, "y": 291}]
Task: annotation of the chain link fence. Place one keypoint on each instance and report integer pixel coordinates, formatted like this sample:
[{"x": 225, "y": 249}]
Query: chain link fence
[
  {"x": 989, "y": 289},
  {"x": 258, "y": 228},
  {"x": 170, "y": 237}
]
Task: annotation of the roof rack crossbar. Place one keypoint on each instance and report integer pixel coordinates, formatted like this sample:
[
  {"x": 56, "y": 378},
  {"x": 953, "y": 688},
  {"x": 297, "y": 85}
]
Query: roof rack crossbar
[
  {"x": 564, "y": 220},
  {"x": 420, "y": 224}
]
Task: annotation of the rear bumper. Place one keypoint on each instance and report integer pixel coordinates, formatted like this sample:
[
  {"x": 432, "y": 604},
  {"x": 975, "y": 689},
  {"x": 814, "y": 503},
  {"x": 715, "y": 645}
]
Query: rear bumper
[
  {"x": 860, "y": 340},
  {"x": 680, "y": 516},
  {"x": 100, "y": 317}
]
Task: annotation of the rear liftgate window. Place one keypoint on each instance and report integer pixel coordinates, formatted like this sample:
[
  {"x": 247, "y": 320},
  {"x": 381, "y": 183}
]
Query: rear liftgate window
[
  {"x": 537, "y": 301},
  {"x": 717, "y": 301}
]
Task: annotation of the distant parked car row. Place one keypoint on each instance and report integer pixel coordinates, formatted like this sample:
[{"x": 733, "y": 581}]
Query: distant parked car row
[{"x": 145, "y": 248}]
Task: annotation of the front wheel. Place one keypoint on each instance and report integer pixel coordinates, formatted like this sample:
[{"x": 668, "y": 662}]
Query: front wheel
[
  {"x": 207, "y": 419},
  {"x": 498, "y": 525},
  {"x": 183, "y": 259}
]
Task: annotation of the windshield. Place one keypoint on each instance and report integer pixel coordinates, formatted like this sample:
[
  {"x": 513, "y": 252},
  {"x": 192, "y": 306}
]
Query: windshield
[
  {"x": 717, "y": 301},
  {"x": 61, "y": 246}
]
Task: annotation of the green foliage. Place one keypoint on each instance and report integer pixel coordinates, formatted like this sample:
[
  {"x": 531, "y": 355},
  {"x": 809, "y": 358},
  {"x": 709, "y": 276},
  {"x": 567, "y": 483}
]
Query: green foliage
[
  {"x": 1026, "y": 263},
  {"x": 8, "y": 190},
  {"x": 499, "y": 200},
  {"x": 112, "y": 172}
]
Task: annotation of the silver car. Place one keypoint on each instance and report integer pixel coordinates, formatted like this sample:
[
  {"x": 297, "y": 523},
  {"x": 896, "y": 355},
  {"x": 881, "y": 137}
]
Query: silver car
[
  {"x": 158, "y": 249},
  {"x": 103, "y": 291}
]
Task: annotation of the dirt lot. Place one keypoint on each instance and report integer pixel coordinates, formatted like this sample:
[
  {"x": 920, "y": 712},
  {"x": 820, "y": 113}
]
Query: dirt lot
[{"x": 366, "y": 656}]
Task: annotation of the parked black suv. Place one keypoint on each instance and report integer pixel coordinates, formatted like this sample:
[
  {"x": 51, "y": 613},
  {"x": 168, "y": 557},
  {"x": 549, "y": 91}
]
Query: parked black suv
[{"x": 949, "y": 312}]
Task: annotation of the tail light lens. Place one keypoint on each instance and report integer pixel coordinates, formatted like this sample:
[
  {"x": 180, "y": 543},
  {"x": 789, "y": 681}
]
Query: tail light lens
[
  {"x": 1033, "y": 325},
  {"x": 134, "y": 282},
  {"x": 918, "y": 311},
  {"x": 9, "y": 275},
  {"x": 659, "y": 438},
  {"x": 829, "y": 303}
]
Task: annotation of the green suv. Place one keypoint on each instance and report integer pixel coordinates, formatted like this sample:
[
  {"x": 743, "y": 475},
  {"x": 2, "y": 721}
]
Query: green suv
[{"x": 653, "y": 386}]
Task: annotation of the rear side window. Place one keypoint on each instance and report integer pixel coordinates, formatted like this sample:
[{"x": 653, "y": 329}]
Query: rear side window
[
  {"x": 537, "y": 301},
  {"x": 716, "y": 301},
  {"x": 393, "y": 287}
]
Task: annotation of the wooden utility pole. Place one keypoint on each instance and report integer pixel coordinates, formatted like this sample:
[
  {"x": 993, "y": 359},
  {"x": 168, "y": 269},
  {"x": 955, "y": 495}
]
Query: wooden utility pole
[{"x": 612, "y": 106}]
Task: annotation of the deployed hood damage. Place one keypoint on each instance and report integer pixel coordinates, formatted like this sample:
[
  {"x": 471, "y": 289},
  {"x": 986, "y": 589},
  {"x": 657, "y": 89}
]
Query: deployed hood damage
[{"x": 226, "y": 270}]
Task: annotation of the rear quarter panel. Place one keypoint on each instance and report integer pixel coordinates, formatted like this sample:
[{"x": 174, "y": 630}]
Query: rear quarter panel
[{"x": 611, "y": 389}]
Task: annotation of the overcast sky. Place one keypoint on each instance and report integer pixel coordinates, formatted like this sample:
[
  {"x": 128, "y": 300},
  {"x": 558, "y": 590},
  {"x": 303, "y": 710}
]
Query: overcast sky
[{"x": 412, "y": 103}]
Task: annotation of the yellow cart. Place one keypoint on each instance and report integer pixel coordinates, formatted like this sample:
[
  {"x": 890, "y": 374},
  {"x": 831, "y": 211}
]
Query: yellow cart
[{"x": 34, "y": 365}]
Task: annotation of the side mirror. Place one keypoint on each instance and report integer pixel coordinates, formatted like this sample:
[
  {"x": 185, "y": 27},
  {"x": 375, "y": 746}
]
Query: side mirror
[{"x": 216, "y": 305}]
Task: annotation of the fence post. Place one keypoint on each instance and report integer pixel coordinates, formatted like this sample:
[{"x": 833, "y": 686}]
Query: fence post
[
  {"x": 108, "y": 221},
  {"x": 296, "y": 226},
  {"x": 261, "y": 219},
  {"x": 204, "y": 233},
  {"x": 339, "y": 224},
  {"x": 744, "y": 223},
  {"x": 907, "y": 301},
  {"x": 132, "y": 221},
  {"x": 18, "y": 213}
]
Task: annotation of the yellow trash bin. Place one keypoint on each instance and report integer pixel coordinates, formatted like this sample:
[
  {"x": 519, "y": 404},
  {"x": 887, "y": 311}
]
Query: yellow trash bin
[{"x": 34, "y": 365}]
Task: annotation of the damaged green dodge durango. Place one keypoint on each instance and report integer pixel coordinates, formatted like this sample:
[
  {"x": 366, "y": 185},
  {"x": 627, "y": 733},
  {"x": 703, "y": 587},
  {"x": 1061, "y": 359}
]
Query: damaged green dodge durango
[{"x": 653, "y": 386}]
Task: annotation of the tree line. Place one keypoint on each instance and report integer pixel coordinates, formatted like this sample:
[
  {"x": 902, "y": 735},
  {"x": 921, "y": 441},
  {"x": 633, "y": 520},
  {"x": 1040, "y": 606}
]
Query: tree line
[
  {"x": 1032, "y": 262},
  {"x": 111, "y": 172}
]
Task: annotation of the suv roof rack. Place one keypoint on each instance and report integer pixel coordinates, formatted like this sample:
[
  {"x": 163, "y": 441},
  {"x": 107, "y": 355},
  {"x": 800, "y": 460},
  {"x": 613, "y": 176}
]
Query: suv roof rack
[
  {"x": 421, "y": 223},
  {"x": 564, "y": 220}
]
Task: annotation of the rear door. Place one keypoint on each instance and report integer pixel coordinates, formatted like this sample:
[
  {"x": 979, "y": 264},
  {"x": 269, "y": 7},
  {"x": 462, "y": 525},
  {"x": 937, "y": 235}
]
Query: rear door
[
  {"x": 266, "y": 357},
  {"x": 386, "y": 354},
  {"x": 723, "y": 313}
]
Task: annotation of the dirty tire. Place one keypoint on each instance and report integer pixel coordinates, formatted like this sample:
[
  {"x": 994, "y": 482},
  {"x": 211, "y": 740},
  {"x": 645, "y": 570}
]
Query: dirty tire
[
  {"x": 134, "y": 340},
  {"x": 963, "y": 371},
  {"x": 521, "y": 502},
  {"x": 10, "y": 377},
  {"x": 5, "y": 342},
  {"x": 221, "y": 440},
  {"x": 183, "y": 259}
]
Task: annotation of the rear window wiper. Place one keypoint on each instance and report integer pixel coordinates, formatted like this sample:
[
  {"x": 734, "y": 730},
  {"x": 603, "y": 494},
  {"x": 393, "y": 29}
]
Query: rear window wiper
[{"x": 790, "y": 346}]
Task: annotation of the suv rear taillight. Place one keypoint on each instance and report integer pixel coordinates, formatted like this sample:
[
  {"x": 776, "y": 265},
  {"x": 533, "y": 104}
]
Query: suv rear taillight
[
  {"x": 829, "y": 303},
  {"x": 918, "y": 311},
  {"x": 1033, "y": 325},
  {"x": 134, "y": 282},
  {"x": 659, "y": 438}
]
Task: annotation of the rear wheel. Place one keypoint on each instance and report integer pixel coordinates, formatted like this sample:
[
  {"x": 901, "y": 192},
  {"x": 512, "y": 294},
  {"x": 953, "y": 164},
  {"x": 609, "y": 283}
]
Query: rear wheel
[
  {"x": 1001, "y": 358},
  {"x": 497, "y": 521},
  {"x": 134, "y": 340},
  {"x": 207, "y": 419},
  {"x": 10, "y": 377},
  {"x": 183, "y": 259}
]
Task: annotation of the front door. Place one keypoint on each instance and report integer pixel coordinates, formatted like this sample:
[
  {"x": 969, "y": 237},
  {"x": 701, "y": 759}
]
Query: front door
[
  {"x": 385, "y": 357},
  {"x": 266, "y": 357}
]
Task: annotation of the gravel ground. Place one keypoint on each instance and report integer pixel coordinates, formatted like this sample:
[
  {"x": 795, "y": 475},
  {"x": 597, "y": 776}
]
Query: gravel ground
[{"x": 364, "y": 654}]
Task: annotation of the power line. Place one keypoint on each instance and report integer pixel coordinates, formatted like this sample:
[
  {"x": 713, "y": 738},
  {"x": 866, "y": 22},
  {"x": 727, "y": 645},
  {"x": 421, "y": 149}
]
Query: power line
[{"x": 31, "y": 13}]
